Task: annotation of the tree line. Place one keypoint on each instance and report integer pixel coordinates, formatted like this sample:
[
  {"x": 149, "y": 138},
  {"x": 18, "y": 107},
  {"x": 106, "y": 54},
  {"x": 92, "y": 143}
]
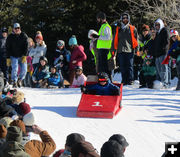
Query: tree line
[{"x": 59, "y": 19}]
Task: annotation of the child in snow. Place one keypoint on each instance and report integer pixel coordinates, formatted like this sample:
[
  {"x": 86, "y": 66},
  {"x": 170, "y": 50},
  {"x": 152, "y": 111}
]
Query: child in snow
[
  {"x": 147, "y": 73},
  {"x": 41, "y": 73},
  {"x": 55, "y": 79},
  {"x": 103, "y": 87},
  {"x": 79, "y": 77}
]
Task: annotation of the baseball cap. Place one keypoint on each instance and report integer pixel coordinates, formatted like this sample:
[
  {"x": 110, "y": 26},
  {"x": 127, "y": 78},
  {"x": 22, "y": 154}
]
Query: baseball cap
[{"x": 16, "y": 25}]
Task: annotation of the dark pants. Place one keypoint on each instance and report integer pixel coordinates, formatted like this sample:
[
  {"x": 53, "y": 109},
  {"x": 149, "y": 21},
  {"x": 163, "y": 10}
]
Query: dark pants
[
  {"x": 102, "y": 60},
  {"x": 125, "y": 62},
  {"x": 146, "y": 81},
  {"x": 178, "y": 74},
  {"x": 3, "y": 67}
]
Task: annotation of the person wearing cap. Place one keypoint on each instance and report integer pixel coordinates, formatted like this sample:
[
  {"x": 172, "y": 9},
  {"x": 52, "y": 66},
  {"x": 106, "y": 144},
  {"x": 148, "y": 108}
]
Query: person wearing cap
[
  {"x": 3, "y": 54},
  {"x": 103, "y": 87},
  {"x": 104, "y": 41},
  {"x": 17, "y": 49},
  {"x": 125, "y": 44},
  {"x": 38, "y": 50},
  {"x": 112, "y": 148},
  {"x": 174, "y": 46},
  {"x": 41, "y": 73},
  {"x": 79, "y": 78},
  {"x": 71, "y": 139},
  {"x": 84, "y": 149},
  {"x": 77, "y": 57},
  {"x": 62, "y": 58},
  {"x": 160, "y": 51}
]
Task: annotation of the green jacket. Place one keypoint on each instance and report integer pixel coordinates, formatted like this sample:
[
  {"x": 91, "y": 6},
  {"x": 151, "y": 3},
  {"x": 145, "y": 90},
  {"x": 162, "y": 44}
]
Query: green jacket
[
  {"x": 149, "y": 70},
  {"x": 13, "y": 149}
]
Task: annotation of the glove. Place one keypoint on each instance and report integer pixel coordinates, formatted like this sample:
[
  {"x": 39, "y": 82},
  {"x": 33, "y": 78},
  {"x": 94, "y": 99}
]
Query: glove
[
  {"x": 8, "y": 62},
  {"x": 23, "y": 59}
]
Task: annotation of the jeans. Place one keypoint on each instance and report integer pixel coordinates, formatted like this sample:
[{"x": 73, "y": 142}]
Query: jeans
[
  {"x": 125, "y": 62},
  {"x": 162, "y": 70},
  {"x": 15, "y": 64}
]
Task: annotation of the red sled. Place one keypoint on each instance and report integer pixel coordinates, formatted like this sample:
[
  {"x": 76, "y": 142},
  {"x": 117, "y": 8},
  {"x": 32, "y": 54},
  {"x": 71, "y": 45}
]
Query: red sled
[{"x": 98, "y": 106}]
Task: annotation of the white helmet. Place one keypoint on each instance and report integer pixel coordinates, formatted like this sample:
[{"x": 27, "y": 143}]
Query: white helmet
[
  {"x": 91, "y": 31},
  {"x": 173, "y": 32}
]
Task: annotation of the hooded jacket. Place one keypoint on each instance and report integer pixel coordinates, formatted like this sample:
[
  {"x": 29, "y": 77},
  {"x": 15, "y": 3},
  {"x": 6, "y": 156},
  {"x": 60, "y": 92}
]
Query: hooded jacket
[
  {"x": 12, "y": 146},
  {"x": 78, "y": 55},
  {"x": 161, "y": 40}
]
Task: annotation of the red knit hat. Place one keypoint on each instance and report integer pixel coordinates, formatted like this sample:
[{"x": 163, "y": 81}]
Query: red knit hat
[
  {"x": 25, "y": 108},
  {"x": 39, "y": 36}
]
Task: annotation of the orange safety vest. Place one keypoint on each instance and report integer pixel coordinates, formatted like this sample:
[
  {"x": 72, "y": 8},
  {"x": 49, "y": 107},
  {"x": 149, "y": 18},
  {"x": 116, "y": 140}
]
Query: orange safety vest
[{"x": 134, "y": 40}]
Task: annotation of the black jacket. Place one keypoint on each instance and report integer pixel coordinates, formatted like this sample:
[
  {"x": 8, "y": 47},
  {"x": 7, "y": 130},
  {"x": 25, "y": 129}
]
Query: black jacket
[
  {"x": 161, "y": 43},
  {"x": 17, "y": 45}
]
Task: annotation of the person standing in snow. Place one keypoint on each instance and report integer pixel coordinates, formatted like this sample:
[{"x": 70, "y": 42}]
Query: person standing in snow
[
  {"x": 17, "y": 48},
  {"x": 103, "y": 42},
  {"x": 160, "y": 51},
  {"x": 38, "y": 51},
  {"x": 77, "y": 56}
]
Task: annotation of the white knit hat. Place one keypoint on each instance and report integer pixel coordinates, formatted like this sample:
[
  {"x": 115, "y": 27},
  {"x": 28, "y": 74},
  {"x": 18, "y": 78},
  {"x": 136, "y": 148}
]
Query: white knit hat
[{"x": 28, "y": 119}]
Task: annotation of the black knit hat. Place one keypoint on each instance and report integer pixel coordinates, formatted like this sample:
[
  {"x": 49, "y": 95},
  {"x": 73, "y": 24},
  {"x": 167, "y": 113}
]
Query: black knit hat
[
  {"x": 5, "y": 110},
  {"x": 103, "y": 76},
  {"x": 120, "y": 139},
  {"x": 14, "y": 133},
  {"x": 74, "y": 138},
  {"x": 112, "y": 149}
]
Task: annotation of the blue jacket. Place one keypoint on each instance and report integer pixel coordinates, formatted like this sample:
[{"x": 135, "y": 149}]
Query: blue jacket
[
  {"x": 41, "y": 73},
  {"x": 108, "y": 89},
  {"x": 54, "y": 79}
]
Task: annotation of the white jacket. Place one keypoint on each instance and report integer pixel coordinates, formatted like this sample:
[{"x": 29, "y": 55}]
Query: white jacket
[{"x": 37, "y": 52}]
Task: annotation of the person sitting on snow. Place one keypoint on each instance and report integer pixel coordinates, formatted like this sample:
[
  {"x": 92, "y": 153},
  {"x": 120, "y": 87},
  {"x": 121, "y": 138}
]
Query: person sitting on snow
[
  {"x": 55, "y": 79},
  {"x": 103, "y": 87},
  {"x": 79, "y": 77}
]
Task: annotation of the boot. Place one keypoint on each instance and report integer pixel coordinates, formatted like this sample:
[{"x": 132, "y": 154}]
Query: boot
[{"x": 15, "y": 84}]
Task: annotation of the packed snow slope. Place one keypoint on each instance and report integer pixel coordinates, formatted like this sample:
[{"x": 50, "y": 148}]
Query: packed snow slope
[{"x": 148, "y": 118}]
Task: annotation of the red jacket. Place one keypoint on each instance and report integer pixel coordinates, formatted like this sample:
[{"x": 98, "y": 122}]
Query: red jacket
[{"x": 78, "y": 55}]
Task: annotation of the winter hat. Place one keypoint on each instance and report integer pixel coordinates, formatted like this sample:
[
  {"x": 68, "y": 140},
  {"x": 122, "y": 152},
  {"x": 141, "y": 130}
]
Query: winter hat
[
  {"x": 20, "y": 124},
  {"x": 148, "y": 58},
  {"x": 173, "y": 33},
  {"x": 14, "y": 133},
  {"x": 102, "y": 76},
  {"x": 18, "y": 97},
  {"x": 6, "y": 110},
  {"x": 145, "y": 27},
  {"x": 4, "y": 30},
  {"x": 74, "y": 138},
  {"x": 28, "y": 119},
  {"x": 25, "y": 108},
  {"x": 91, "y": 32},
  {"x": 60, "y": 43},
  {"x": 39, "y": 36},
  {"x": 112, "y": 149},
  {"x": 78, "y": 68},
  {"x": 3, "y": 131},
  {"x": 16, "y": 25},
  {"x": 125, "y": 14},
  {"x": 120, "y": 139},
  {"x": 43, "y": 58},
  {"x": 85, "y": 148},
  {"x": 72, "y": 41},
  {"x": 6, "y": 121}
]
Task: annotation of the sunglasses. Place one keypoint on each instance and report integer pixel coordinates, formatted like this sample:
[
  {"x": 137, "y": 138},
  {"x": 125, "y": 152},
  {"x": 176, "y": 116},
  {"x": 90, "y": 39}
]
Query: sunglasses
[
  {"x": 102, "y": 80},
  {"x": 17, "y": 28},
  {"x": 125, "y": 18}
]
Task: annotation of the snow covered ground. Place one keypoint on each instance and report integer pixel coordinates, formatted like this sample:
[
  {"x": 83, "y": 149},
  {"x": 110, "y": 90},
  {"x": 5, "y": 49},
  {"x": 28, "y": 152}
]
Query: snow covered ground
[{"x": 148, "y": 119}]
